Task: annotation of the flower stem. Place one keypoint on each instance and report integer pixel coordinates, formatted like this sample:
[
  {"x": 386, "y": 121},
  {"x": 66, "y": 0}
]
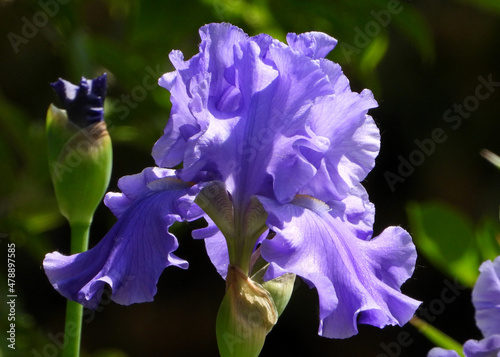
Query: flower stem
[
  {"x": 439, "y": 338},
  {"x": 74, "y": 311}
]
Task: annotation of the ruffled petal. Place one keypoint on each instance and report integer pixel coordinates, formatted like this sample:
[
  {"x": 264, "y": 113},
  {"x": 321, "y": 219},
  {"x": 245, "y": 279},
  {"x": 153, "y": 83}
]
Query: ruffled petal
[
  {"x": 312, "y": 44},
  {"x": 488, "y": 347},
  {"x": 354, "y": 139},
  {"x": 266, "y": 118},
  {"x": 486, "y": 298},
  {"x": 357, "y": 280},
  {"x": 357, "y": 209},
  {"x": 131, "y": 257}
]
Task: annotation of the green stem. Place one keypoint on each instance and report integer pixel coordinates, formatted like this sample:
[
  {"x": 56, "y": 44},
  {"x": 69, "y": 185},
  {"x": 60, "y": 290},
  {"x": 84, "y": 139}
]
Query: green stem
[
  {"x": 74, "y": 310},
  {"x": 435, "y": 335}
]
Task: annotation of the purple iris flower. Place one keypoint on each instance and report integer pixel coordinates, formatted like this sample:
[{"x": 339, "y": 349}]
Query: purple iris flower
[
  {"x": 486, "y": 300},
  {"x": 270, "y": 121},
  {"x": 84, "y": 103}
]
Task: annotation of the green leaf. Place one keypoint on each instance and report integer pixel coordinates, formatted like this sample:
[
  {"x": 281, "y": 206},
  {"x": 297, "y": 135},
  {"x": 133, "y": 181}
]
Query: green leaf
[
  {"x": 414, "y": 26},
  {"x": 374, "y": 53},
  {"x": 490, "y": 5},
  {"x": 488, "y": 239},
  {"x": 447, "y": 238}
]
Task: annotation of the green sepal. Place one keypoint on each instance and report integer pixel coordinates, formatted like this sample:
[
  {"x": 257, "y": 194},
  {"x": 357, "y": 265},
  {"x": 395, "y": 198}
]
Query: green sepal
[
  {"x": 240, "y": 229},
  {"x": 214, "y": 200},
  {"x": 245, "y": 317},
  {"x": 80, "y": 161},
  {"x": 280, "y": 288}
]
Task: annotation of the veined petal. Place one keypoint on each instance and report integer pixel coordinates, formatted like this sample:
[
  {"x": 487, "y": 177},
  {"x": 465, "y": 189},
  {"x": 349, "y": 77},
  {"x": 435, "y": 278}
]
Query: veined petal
[
  {"x": 266, "y": 118},
  {"x": 357, "y": 209},
  {"x": 486, "y": 298},
  {"x": 357, "y": 280},
  {"x": 353, "y": 135},
  {"x": 131, "y": 257}
]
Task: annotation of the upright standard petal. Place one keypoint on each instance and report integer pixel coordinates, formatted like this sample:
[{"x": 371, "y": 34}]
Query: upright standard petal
[
  {"x": 131, "y": 257},
  {"x": 357, "y": 280},
  {"x": 265, "y": 118},
  {"x": 312, "y": 44}
]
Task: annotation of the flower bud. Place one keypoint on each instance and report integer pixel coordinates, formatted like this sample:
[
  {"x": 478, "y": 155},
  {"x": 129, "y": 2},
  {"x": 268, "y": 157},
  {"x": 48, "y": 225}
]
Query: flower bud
[{"x": 79, "y": 148}]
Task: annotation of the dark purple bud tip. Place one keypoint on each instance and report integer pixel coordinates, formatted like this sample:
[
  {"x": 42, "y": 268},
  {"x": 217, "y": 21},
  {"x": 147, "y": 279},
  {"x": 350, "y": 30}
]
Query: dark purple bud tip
[{"x": 83, "y": 103}]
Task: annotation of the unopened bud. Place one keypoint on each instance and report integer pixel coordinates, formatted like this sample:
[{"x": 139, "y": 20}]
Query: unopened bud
[
  {"x": 246, "y": 316},
  {"x": 79, "y": 149}
]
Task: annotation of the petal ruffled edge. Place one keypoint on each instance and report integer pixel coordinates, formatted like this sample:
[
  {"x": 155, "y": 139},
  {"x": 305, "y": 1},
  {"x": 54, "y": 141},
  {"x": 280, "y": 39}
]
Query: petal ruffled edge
[
  {"x": 312, "y": 44},
  {"x": 133, "y": 254},
  {"x": 356, "y": 279}
]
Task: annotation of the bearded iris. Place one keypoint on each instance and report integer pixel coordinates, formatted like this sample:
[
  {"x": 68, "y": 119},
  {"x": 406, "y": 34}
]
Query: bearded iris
[{"x": 277, "y": 128}]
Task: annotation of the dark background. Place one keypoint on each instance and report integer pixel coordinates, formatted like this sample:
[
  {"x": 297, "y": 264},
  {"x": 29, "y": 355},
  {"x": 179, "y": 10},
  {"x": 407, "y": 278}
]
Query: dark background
[{"x": 420, "y": 62}]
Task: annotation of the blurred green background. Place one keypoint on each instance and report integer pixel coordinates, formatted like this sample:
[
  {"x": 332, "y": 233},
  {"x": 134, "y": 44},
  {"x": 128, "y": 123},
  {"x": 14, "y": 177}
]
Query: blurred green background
[{"x": 424, "y": 60}]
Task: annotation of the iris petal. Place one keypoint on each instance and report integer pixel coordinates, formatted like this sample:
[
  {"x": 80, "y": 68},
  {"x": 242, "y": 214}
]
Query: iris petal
[
  {"x": 488, "y": 347},
  {"x": 266, "y": 118},
  {"x": 216, "y": 246},
  {"x": 441, "y": 352},
  {"x": 131, "y": 257},
  {"x": 357, "y": 279},
  {"x": 312, "y": 44}
]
